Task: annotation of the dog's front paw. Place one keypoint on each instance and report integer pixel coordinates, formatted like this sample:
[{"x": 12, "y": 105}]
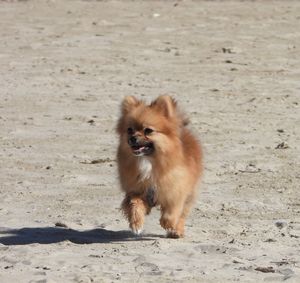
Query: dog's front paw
[
  {"x": 168, "y": 222},
  {"x": 173, "y": 234},
  {"x": 170, "y": 225},
  {"x": 137, "y": 231}
]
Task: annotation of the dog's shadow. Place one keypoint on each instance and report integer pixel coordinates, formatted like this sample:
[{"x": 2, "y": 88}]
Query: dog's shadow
[{"x": 50, "y": 235}]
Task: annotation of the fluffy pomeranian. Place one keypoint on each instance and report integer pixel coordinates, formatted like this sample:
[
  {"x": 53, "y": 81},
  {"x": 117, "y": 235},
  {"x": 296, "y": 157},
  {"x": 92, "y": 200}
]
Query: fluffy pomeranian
[{"x": 159, "y": 162}]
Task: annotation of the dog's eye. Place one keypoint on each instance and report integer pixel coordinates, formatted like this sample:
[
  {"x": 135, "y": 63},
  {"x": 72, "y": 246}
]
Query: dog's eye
[
  {"x": 130, "y": 131},
  {"x": 148, "y": 131}
]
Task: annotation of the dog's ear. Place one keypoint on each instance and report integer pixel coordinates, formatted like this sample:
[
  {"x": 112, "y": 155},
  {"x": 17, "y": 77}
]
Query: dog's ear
[
  {"x": 129, "y": 103},
  {"x": 166, "y": 104}
]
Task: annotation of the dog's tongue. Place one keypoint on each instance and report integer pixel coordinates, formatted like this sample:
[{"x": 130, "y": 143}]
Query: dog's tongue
[{"x": 139, "y": 149}]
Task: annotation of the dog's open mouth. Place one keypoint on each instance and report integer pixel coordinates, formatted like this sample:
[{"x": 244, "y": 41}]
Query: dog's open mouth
[{"x": 142, "y": 149}]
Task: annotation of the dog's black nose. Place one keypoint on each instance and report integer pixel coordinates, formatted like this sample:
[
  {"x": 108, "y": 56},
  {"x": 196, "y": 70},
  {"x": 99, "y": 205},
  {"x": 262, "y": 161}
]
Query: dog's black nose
[{"x": 132, "y": 141}]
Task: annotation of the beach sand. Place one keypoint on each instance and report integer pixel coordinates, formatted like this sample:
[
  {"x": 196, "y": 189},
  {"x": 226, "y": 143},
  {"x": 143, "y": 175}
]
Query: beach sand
[{"x": 65, "y": 67}]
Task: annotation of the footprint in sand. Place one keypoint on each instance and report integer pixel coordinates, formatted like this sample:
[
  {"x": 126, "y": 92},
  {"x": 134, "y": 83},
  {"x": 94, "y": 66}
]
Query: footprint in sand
[{"x": 147, "y": 268}]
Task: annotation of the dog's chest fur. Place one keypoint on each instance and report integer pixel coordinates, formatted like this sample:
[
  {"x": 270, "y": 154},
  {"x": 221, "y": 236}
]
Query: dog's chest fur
[{"x": 145, "y": 168}]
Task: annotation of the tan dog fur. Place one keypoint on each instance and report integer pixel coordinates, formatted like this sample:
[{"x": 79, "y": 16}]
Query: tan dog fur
[{"x": 171, "y": 172}]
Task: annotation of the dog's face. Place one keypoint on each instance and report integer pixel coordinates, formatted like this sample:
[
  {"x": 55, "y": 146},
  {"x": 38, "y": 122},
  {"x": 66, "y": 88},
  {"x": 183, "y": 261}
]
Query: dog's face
[
  {"x": 139, "y": 139},
  {"x": 149, "y": 130}
]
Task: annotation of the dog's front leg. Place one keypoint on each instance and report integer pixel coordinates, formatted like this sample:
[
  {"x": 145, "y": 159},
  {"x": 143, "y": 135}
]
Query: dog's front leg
[
  {"x": 170, "y": 216},
  {"x": 135, "y": 209}
]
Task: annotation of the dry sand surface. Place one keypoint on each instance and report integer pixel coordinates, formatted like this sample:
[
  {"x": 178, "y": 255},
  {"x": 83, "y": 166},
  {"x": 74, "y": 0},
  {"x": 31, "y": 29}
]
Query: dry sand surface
[{"x": 64, "y": 68}]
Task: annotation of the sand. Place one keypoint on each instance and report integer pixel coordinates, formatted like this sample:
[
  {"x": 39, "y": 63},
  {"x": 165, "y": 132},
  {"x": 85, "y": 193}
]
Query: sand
[{"x": 65, "y": 67}]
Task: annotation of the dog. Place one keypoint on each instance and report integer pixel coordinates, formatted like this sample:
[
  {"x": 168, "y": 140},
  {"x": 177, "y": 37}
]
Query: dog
[{"x": 159, "y": 163}]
